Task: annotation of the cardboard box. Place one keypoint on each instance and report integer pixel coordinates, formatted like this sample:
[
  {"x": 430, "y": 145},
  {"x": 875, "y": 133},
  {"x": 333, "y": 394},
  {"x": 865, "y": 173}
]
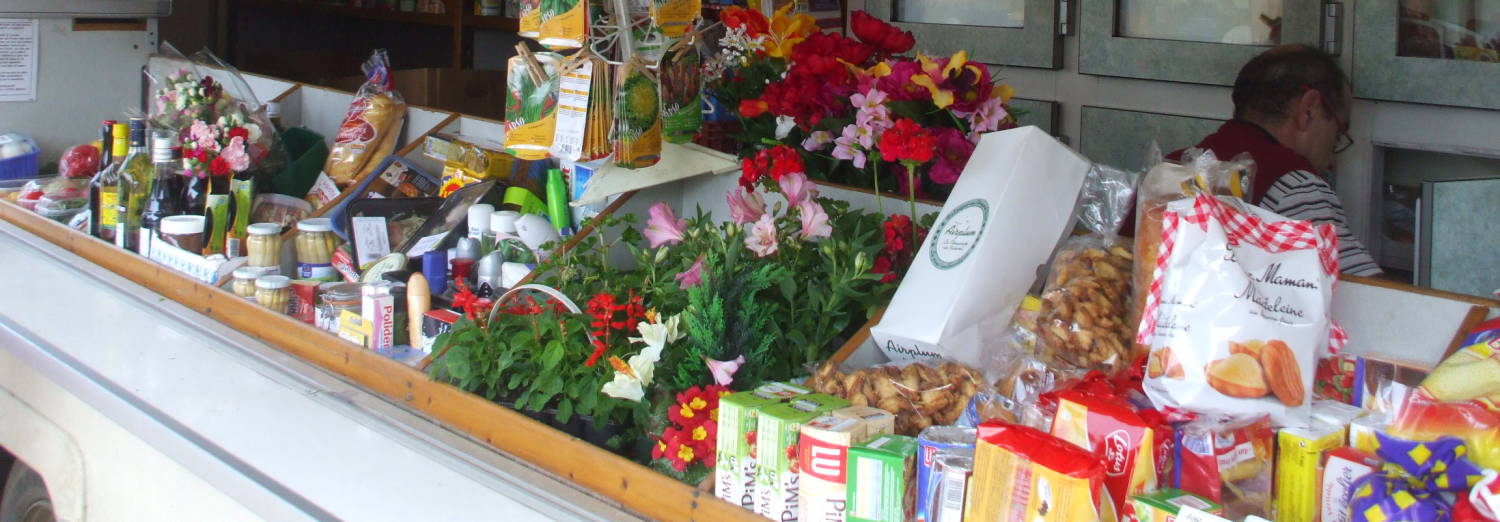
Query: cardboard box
[
  {"x": 882, "y": 479},
  {"x": 1010, "y": 209},
  {"x": 778, "y": 428},
  {"x": 435, "y": 323},
  {"x": 1164, "y": 505},
  {"x": 1112, "y": 430},
  {"x": 735, "y": 462},
  {"x": 877, "y": 421},
  {"x": 823, "y": 461},
  {"x": 1300, "y": 451},
  {"x": 1341, "y": 468},
  {"x": 1021, "y": 473}
]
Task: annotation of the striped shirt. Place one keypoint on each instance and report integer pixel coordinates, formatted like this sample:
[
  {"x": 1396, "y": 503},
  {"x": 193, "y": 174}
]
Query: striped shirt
[{"x": 1304, "y": 196}]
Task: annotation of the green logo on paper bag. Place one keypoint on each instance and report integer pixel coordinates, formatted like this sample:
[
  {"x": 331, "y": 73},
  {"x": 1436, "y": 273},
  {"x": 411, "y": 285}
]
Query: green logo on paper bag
[{"x": 959, "y": 232}]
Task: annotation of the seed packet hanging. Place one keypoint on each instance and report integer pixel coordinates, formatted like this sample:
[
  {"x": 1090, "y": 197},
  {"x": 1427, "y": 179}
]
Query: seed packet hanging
[
  {"x": 681, "y": 91},
  {"x": 638, "y": 116},
  {"x": 577, "y": 80},
  {"x": 675, "y": 17},
  {"x": 531, "y": 19},
  {"x": 601, "y": 119},
  {"x": 565, "y": 24},
  {"x": 530, "y": 103}
]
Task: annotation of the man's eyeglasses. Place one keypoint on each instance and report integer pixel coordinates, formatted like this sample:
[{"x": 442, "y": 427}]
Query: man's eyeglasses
[{"x": 1344, "y": 140}]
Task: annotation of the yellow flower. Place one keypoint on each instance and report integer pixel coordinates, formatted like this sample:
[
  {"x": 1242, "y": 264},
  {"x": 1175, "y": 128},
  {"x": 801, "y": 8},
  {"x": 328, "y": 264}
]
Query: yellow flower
[
  {"x": 686, "y": 412},
  {"x": 1004, "y": 92},
  {"x": 788, "y": 31},
  {"x": 713, "y": 415},
  {"x": 879, "y": 70},
  {"x": 698, "y": 403},
  {"x": 699, "y": 433},
  {"x": 685, "y": 453},
  {"x": 936, "y": 79}
]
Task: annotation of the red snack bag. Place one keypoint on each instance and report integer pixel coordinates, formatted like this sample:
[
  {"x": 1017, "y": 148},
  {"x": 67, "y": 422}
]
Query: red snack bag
[
  {"x": 1114, "y": 431},
  {"x": 1228, "y": 460},
  {"x": 1021, "y": 473}
]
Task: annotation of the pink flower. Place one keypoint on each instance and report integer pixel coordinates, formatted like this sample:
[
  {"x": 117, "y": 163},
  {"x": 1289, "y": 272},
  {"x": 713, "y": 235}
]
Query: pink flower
[
  {"x": 872, "y": 104},
  {"x": 724, "y": 371},
  {"x": 762, "y": 237},
  {"x": 989, "y": 115},
  {"x": 796, "y": 188},
  {"x": 234, "y": 153},
  {"x": 745, "y": 206},
  {"x": 953, "y": 151},
  {"x": 817, "y": 140},
  {"x": 814, "y": 220},
  {"x": 692, "y": 276},
  {"x": 847, "y": 146},
  {"x": 205, "y": 136},
  {"x": 898, "y": 84},
  {"x": 663, "y": 227}
]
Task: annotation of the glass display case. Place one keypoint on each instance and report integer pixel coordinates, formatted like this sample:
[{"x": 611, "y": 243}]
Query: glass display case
[
  {"x": 1122, "y": 138},
  {"x": 1003, "y": 32},
  {"x": 1187, "y": 40},
  {"x": 1441, "y": 52},
  {"x": 1436, "y": 219}
]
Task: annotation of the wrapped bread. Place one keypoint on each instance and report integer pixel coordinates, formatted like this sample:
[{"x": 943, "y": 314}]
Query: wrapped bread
[{"x": 368, "y": 133}]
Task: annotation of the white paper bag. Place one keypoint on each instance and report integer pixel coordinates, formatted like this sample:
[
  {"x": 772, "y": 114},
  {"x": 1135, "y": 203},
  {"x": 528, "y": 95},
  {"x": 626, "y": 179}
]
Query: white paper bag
[
  {"x": 1005, "y": 215},
  {"x": 1238, "y": 310}
]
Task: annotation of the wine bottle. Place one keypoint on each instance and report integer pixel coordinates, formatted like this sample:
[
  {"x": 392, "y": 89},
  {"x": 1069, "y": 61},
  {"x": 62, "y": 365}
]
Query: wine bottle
[
  {"x": 106, "y": 147},
  {"x": 109, "y": 185},
  {"x": 136, "y": 174},
  {"x": 166, "y": 189}
]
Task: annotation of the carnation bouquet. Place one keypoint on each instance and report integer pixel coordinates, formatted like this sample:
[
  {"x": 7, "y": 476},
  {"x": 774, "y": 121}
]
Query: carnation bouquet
[{"x": 858, "y": 110}]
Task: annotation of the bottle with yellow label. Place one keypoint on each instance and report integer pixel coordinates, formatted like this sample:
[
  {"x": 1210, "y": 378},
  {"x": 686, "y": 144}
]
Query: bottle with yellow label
[{"x": 104, "y": 190}]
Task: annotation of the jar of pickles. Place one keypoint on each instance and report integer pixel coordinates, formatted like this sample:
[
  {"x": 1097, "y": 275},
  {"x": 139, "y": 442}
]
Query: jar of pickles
[
  {"x": 333, "y": 300},
  {"x": 264, "y": 246},
  {"x": 274, "y": 292},
  {"x": 244, "y": 281},
  {"x": 315, "y": 244}
]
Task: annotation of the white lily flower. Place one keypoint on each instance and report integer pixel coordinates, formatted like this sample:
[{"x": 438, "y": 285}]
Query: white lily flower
[{"x": 632, "y": 377}]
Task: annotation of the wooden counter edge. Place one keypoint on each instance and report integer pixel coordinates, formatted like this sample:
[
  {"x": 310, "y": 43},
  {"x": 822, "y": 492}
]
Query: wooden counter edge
[{"x": 632, "y": 485}]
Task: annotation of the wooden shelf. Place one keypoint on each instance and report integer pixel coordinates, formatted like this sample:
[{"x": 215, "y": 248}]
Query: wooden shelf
[{"x": 363, "y": 13}]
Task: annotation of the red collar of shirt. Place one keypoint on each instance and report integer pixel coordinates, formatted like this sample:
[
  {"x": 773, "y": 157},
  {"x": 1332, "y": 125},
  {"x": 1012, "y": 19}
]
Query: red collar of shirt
[{"x": 1272, "y": 159}]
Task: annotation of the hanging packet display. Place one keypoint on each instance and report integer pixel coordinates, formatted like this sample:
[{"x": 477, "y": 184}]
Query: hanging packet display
[
  {"x": 1239, "y": 310},
  {"x": 564, "y": 24},
  {"x": 681, "y": 96},
  {"x": 675, "y": 17},
  {"x": 637, "y": 116},
  {"x": 531, "y": 87},
  {"x": 368, "y": 133},
  {"x": 530, "y": 25}
]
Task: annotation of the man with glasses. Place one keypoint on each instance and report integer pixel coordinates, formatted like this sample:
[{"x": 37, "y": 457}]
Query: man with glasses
[{"x": 1291, "y": 113}]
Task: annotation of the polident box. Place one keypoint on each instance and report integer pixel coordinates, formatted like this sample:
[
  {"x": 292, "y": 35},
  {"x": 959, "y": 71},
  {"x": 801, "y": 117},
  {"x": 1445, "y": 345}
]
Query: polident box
[
  {"x": 978, "y": 262},
  {"x": 823, "y": 461},
  {"x": 882, "y": 479},
  {"x": 778, "y": 428},
  {"x": 734, "y": 471}
]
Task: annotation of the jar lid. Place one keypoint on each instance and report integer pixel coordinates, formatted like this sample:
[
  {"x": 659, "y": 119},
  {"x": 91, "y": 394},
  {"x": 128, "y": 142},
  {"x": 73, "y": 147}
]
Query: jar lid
[
  {"x": 251, "y": 272},
  {"x": 186, "y": 224},
  {"x": 315, "y": 225},
  {"x": 504, "y": 222},
  {"x": 263, "y": 229},
  {"x": 272, "y": 282},
  {"x": 340, "y": 291}
]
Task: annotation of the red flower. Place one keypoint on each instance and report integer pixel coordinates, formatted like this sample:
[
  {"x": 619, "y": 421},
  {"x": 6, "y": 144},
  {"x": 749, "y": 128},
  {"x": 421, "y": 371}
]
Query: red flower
[
  {"x": 659, "y": 450},
  {"x": 885, "y": 37},
  {"x": 238, "y": 131},
  {"x": 897, "y": 230},
  {"x": 907, "y": 142},
  {"x": 753, "y": 108},
  {"x": 883, "y": 267},
  {"x": 754, "y": 22},
  {"x": 219, "y": 166},
  {"x": 785, "y": 160}
]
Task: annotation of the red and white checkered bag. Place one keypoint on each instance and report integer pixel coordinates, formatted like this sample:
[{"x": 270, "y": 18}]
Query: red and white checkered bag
[{"x": 1230, "y": 281}]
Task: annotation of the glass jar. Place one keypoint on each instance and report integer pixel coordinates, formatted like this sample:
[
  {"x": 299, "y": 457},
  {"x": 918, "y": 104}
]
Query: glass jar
[
  {"x": 274, "y": 292},
  {"x": 264, "y": 246},
  {"x": 333, "y": 300},
  {"x": 244, "y": 281},
  {"x": 315, "y": 244}
]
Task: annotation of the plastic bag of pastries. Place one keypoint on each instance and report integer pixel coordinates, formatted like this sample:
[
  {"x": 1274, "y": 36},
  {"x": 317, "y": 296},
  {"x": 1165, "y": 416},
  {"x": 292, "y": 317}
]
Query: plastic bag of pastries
[{"x": 921, "y": 394}]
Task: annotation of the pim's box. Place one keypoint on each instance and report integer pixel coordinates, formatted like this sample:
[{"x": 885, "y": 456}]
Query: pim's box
[
  {"x": 1011, "y": 207},
  {"x": 1021, "y": 473}
]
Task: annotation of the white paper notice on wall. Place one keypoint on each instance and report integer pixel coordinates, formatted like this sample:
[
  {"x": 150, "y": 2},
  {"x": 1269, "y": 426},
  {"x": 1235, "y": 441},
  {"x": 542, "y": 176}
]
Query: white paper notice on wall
[
  {"x": 18, "y": 57},
  {"x": 371, "y": 237}
]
